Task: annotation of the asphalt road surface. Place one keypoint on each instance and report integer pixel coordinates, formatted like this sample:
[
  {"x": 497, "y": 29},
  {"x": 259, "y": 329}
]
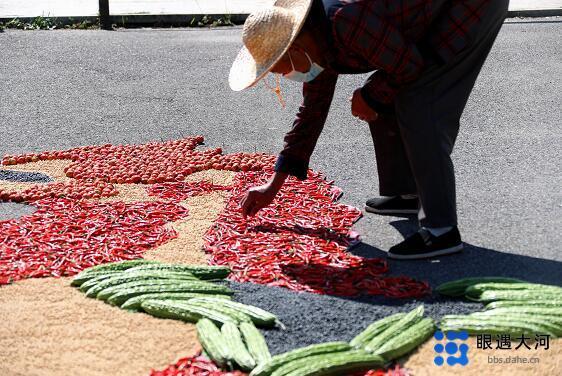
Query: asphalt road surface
[{"x": 61, "y": 89}]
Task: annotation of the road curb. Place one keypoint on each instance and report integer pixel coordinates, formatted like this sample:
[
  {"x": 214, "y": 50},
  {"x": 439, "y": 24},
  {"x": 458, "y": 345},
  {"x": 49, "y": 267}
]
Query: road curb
[
  {"x": 144, "y": 20},
  {"x": 170, "y": 20},
  {"x": 535, "y": 13}
]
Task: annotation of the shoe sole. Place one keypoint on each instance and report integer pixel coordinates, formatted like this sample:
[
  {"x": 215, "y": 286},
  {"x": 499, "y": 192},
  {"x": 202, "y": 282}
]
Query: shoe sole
[
  {"x": 441, "y": 252},
  {"x": 390, "y": 211}
]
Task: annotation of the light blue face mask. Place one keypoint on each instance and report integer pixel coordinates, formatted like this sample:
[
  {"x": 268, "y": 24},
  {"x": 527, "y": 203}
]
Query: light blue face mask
[{"x": 312, "y": 73}]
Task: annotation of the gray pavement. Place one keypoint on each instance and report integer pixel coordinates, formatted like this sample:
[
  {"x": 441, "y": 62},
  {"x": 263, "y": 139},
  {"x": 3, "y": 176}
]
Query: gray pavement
[
  {"x": 312, "y": 318},
  {"x": 68, "y": 88}
]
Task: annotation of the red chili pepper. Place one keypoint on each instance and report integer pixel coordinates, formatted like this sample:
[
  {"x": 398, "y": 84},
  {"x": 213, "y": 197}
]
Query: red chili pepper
[
  {"x": 58, "y": 239},
  {"x": 194, "y": 366}
]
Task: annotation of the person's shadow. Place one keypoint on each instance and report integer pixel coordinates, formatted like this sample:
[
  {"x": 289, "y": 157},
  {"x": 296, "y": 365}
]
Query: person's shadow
[
  {"x": 360, "y": 281},
  {"x": 473, "y": 261}
]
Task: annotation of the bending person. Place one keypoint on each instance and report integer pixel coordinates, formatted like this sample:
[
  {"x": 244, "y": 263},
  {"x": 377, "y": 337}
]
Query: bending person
[{"x": 426, "y": 56}]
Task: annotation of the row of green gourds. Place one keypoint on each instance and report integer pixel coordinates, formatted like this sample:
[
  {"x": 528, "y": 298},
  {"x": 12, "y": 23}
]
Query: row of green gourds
[{"x": 227, "y": 330}]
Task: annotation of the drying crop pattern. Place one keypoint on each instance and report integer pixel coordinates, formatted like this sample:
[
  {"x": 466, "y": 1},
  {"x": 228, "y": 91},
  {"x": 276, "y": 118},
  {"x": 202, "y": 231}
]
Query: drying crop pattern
[{"x": 299, "y": 242}]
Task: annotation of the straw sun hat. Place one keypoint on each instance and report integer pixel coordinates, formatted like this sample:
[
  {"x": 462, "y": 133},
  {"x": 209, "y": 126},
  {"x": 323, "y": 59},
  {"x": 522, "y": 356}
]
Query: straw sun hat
[{"x": 267, "y": 35}]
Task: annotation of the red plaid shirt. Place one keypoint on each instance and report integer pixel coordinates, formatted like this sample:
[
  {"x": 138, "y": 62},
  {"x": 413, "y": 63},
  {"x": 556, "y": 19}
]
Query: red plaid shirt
[{"x": 394, "y": 38}]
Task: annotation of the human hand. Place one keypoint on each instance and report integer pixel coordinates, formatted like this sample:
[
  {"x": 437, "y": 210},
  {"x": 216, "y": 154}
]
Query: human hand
[
  {"x": 360, "y": 109},
  {"x": 257, "y": 198}
]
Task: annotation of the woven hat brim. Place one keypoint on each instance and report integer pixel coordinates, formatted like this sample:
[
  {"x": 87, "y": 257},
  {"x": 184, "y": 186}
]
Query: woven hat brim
[{"x": 245, "y": 71}]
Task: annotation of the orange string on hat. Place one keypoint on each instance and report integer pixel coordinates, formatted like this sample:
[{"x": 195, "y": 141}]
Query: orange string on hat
[{"x": 276, "y": 89}]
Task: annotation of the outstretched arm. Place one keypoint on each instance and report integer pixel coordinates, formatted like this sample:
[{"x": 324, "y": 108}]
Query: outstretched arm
[{"x": 300, "y": 142}]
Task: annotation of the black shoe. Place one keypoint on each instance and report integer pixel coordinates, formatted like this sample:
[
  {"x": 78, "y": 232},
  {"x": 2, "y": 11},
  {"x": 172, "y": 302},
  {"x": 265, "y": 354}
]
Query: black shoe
[
  {"x": 423, "y": 245},
  {"x": 392, "y": 205}
]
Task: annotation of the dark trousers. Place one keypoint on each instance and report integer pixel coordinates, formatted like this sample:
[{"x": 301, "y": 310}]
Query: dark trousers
[{"x": 413, "y": 146}]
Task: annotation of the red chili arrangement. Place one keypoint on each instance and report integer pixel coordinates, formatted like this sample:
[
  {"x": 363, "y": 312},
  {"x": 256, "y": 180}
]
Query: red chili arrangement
[
  {"x": 144, "y": 165},
  {"x": 107, "y": 150},
  {"x": 65, "y": 236},
  {"x": 155, "y": 162},
  {"x": 194, "y": 366},
  {"x": 242, "y": 161},
  {"x": 200, "y": 366},
  {"x": 300, "y": 242},
  {"x": 396, "y": 371},
  {"x": 74, "y": 190}
]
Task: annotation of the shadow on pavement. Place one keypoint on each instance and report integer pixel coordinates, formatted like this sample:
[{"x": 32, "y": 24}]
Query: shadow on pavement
[{"x": 473, "y": 261}]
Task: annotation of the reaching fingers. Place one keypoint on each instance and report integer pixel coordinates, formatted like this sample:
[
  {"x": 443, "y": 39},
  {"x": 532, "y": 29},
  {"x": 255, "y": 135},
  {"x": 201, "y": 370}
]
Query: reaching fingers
[
  {"x": 247, "y": 204},
  {"x": 255, "y": 209},
  {"x": 250, "y": 211},
  {"x": 251, "y": 204}
]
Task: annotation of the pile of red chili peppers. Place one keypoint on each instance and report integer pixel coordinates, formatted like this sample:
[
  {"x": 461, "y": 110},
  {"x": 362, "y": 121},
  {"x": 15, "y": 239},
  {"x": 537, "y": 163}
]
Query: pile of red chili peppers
[
  {"x": 201, "y": 366},
  {"x": 396, "y": 371},
  {"x": 300, "y": 242},
  {"x": 73, "y": 190},
  {"x": 194, "y": 366},
  {"x": 66, "y": 236},
  {"x": 155, "y": 162}
]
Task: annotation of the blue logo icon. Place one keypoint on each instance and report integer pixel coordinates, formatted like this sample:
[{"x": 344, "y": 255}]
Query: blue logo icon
[{"x": 449, "y": 349}]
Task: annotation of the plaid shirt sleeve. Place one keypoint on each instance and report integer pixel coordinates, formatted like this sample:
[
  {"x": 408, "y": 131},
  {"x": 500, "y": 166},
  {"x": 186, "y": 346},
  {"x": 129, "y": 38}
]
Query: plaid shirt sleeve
[
  {"x": 372, "y": 36},
  {"x": 301, "y": 140}
]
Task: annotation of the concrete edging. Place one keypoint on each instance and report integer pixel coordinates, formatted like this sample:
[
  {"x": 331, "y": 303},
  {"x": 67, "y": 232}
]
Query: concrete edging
[
  {"x": 142, "y": 20},
  {"x": 533, "y": 13},
  {"x": 167, "y": 20}
]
